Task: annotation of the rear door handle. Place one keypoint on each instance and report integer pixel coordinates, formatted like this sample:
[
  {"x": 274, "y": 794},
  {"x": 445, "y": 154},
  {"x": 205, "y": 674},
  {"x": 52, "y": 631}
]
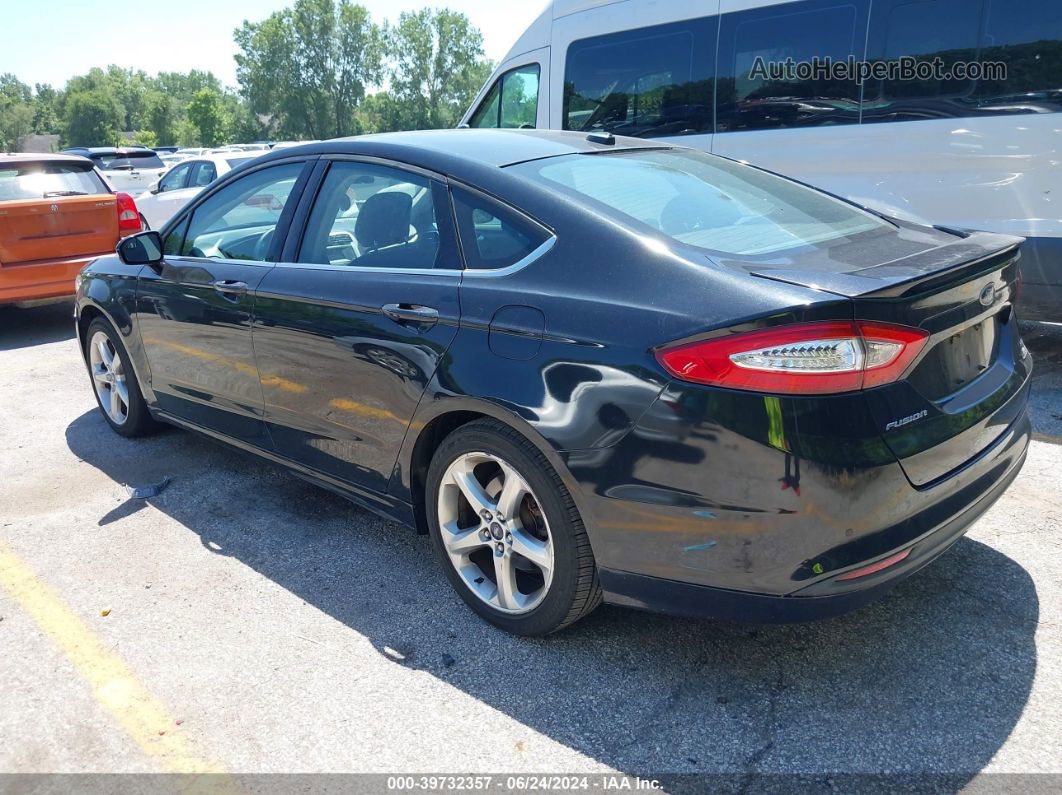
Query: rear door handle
[
  {"x": 228, "y": 287},
  {"x": 411, "y": 313}
]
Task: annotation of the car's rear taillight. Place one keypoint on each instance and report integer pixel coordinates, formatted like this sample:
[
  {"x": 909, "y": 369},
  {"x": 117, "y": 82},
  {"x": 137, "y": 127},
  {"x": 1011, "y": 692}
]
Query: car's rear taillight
[
  {"x": 801, "y": 359},
  {"x": 128, "y": 215}
]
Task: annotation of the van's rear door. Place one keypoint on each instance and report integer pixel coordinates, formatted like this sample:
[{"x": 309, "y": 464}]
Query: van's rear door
[{"x": 969, "y": 384}]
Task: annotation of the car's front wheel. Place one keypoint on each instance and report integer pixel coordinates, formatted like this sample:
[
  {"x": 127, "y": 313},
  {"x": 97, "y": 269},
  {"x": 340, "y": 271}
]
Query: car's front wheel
[
  {"x": 117, "y": 391},
  {"x": 507, "y": 532}
]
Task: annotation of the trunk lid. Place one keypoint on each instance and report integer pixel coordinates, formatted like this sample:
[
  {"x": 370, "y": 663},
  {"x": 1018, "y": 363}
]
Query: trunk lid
[
  {"x": 59, "y": 227},
  {"x": 970, "y": 382}
]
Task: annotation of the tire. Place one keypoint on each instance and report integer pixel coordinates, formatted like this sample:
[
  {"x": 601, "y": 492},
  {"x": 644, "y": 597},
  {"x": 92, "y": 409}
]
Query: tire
[
  {"x": 102, "y": 343},
  {"x": 530, "y": 512},
  {"x": 144, "y": 226}
]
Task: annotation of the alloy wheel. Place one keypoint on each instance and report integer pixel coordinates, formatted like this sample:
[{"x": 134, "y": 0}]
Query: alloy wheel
[
  {"x": 495, "y": 533},
  {"x": 108, "y": 377}
]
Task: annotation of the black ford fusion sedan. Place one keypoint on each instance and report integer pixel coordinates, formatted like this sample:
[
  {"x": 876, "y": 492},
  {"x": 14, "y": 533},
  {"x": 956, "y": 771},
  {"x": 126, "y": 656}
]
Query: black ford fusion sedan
[{"x": 590, "y": 368}]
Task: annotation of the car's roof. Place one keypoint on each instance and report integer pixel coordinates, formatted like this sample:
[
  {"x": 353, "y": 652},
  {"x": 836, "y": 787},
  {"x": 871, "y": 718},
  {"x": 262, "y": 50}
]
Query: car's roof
[
  {"x": 484, "y": 146},
  {"x": 107, "y": 150},
  {"x": 37, "y": 157}
]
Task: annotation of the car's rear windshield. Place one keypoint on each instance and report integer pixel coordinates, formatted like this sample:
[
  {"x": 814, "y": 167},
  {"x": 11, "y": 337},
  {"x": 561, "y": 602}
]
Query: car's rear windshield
[
  {"x": 703, "y": 201},
  {"x": 43, "y": 180},
  {"x": 131, "y": 160}
]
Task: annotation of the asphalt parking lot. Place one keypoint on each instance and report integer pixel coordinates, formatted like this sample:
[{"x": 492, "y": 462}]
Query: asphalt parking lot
[{"x": 258, "y": 624}]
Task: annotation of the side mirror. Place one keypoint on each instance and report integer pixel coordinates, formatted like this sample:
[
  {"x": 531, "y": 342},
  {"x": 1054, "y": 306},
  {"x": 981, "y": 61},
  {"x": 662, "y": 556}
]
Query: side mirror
[
  {"x": 153, "y": 187},
  {"x": 142, "y": 249}
]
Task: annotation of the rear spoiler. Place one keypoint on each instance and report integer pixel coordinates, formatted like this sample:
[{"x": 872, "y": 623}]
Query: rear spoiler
[{"x": 926, "y": 271}]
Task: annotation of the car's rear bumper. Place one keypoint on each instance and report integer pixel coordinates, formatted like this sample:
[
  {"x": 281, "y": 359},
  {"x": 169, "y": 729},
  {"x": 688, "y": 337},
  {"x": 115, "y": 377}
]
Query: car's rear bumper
[
  {"x": 827, "y": 597},
  {"x": 40, "y": 280}
]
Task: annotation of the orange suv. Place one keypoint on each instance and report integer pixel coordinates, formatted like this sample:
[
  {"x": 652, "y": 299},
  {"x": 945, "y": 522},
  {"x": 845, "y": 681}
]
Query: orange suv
[{"x": 56, "y": 214}]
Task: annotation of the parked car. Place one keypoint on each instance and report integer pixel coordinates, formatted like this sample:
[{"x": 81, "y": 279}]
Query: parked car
[
  {"x": 968, "y": 154},
  {"x": 589, "y": 367},
  {"x": 171, "y": 160},
  {"x": 290, "y": 144},
  {"x": 56, "y": 214},
  {"x": 129, "y": 169},
  {"x": 182, "y": 183},
  {"x": 165, "y": 150}
]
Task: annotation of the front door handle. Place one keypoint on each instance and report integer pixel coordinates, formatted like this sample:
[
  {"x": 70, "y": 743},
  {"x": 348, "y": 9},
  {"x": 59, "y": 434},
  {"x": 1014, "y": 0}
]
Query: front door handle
[
  {"x": 230, "y": 288},
  {"x": 411, "y": 313}
]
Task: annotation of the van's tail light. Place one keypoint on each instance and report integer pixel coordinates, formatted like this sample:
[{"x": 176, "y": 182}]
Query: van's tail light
[
  {"x": 128, "y": 215},
  {"x": 801, "y": 359}
]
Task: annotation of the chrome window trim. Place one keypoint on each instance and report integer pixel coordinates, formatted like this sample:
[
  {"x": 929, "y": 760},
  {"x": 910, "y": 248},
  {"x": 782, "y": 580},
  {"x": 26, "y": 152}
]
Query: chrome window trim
[
  {"x": 314, "y": 266},
  {"x": 538, "y": 253}
]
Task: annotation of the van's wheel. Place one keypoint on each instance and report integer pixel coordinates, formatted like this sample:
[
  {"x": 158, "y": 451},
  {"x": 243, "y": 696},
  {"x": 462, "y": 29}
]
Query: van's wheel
[
  {"x": 117, "y": 391},
  {"x": 507, "y": 532}
]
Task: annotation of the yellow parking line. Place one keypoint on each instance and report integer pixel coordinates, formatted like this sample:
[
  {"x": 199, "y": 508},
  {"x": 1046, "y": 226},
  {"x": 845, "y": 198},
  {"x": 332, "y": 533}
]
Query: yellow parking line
[{"x": 114, "y": 686}]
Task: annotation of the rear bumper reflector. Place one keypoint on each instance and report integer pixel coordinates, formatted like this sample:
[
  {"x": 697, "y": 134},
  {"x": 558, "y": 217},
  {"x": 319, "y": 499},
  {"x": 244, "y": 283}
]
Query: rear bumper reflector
[{"x": 892, "y": 560}]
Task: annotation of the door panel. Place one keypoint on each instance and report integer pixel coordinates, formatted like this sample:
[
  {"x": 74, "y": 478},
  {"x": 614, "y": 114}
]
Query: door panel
[
  {"x": 340, "y": 378},
  {"x": 348, "y": 335},
  {"x": 195, "y": 309},
  {"x": 198, "y": 341}
]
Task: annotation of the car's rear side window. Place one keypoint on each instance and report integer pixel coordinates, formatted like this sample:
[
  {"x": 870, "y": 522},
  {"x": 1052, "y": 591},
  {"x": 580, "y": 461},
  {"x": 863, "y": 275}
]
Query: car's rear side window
[
  {"x": 493, "y": 235},
  {"x": 43, "y": 180}
]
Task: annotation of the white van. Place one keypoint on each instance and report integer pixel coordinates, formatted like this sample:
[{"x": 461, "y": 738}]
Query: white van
[{"x": 966, "y": 153}]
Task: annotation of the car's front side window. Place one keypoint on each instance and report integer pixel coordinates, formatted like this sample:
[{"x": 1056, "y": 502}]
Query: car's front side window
[
  {"x": 367, "y": 215},
  {"x": 204, "y": 174},
  {"x": 175, "y": 179},
  {"x": 239, "y": 220}
]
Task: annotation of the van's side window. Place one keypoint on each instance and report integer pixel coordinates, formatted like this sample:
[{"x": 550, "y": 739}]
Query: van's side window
[
  {"x": 751, "y": 41},
  {"x": 512, "y": 101},
  {"x": 1021, "y": 34},
  {"x": 649, "y": 82}
]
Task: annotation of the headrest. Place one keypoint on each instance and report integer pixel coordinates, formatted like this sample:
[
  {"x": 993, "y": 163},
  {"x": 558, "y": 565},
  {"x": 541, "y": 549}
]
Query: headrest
[{"x": 384, "y": 220}]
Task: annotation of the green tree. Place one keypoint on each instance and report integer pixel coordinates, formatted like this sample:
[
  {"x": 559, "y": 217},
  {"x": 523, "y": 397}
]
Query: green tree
[
  {"x": 162, "y": 118},
  {"x": 438, "y": 67},
  {"x": 204, "y": 111},
  {"x": 92, "y": 118},
  {"x": 187, "y": 134},
  {"x": 144, "y": 138},
  {"x": 132, "y": 90},
  {"x": 308, "y": 67},
  {"x": 45, "y": 109},
  {"x": 16, "y": 112}
]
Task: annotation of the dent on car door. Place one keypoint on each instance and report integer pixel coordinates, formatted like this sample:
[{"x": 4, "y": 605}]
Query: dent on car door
[
  {"x": 353, "y": 323},
  {"x": 195, "y": 308}
]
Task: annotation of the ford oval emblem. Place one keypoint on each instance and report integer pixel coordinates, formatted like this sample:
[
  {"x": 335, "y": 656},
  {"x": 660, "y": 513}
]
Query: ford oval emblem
[{"x": 988, "y": 295}]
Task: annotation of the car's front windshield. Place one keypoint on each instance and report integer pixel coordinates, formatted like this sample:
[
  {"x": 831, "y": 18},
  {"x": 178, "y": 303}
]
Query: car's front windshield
[{"x": 703, "y": 201}]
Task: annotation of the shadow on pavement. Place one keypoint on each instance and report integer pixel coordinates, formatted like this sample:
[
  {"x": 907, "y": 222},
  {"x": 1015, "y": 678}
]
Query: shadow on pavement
[
  {"x": 931, "y": 679},
  {"x": 1044, "y": 341},
  {"x": 23, "y": 328}
]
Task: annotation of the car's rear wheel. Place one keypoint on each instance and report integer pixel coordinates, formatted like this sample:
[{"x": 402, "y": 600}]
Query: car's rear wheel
[
  {"x": 507, "y": 532},
  {"x": 114, "y": 382}
]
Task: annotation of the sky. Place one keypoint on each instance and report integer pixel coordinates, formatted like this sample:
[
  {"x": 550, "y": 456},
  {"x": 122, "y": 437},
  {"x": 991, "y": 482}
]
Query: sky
[{"x": 61, "y": 38}]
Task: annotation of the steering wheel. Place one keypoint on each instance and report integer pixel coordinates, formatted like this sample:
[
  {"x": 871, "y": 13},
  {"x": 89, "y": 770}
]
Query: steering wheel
[{"x": 261, "y": 248}]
